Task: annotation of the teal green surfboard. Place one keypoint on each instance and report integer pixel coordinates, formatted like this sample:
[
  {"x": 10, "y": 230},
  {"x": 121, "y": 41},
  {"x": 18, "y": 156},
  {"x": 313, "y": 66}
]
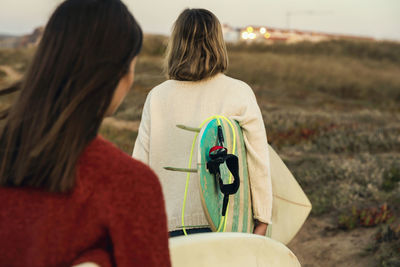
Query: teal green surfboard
[{"x": 239, "y": 217}]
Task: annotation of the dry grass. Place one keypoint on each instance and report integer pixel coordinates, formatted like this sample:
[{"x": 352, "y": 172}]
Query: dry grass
[{"x": 331, "y": 110}]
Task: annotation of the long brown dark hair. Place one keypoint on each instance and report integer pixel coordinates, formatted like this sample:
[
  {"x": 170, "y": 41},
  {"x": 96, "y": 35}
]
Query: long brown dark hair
[
  {"x": 196, "y": 49},
  {"x": 87, "y": 47}
]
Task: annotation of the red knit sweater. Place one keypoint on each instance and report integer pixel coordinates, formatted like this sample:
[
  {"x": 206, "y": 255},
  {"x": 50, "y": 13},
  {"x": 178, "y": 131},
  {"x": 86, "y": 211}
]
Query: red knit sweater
[{"x": 115, "y": 216}]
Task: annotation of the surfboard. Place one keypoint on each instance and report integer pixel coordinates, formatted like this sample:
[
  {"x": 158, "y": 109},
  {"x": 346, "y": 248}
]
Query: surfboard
[
  {"x": 239, "y": 216},
  {"x": 87, "y": 264},
  {"x": 291, "y": 206},
  {"x": 229, "y": 250}
]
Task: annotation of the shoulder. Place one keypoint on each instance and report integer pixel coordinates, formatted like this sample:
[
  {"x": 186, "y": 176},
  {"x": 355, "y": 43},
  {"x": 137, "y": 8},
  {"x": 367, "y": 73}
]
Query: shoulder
[
  {"x": 233, "y": 81},
  {"x": 101, "y": 151},
  {"x": 108, "y": 165},
  {"x": 162, "y": 87},
  {"x": 235, "y": 88},
  {"x": 237, "y": 84},
  {"x": 158, "y": 92},
  {"x": 225, "y": 85},
  {"x": 117, "y": 184}
]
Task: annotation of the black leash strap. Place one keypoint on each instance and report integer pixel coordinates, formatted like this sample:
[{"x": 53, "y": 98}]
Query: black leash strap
[{"x": 232, "y": 162}]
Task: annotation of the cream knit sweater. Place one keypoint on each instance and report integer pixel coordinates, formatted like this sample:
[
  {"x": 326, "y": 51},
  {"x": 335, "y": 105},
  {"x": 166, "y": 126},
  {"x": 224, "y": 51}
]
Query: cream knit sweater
[{"x": 160, "y": 143}]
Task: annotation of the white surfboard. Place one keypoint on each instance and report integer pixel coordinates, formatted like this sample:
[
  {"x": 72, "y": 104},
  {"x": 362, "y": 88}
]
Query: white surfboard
[
  {"x": 87, "y": 264},
  {"x": 290, "y": 205},
  {"x": 229, "y": 250}
]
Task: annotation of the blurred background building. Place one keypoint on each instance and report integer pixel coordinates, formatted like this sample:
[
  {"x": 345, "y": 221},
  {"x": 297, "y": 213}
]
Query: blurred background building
[{"x": 268, "y": 35}]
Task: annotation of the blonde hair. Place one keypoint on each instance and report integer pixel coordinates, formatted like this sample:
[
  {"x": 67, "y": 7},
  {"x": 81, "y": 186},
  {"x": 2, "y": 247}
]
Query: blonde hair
[{"x": 196, "y": 49}]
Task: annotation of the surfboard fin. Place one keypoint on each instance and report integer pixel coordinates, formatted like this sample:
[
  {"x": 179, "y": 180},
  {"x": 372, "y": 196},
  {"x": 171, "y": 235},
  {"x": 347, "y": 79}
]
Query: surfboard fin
[
  {"x": 188, "y": 128},
  {"x": 180, "y": 169}
]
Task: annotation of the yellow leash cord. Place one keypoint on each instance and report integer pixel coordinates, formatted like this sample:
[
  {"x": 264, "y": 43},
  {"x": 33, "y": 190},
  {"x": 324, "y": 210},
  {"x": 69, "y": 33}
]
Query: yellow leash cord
[{"x": 224, "y": 218}]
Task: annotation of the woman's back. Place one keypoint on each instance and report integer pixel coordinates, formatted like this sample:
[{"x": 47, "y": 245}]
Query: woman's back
[
  {"x": 105, "y": 219},
  {"x": 190, "y": 103}
]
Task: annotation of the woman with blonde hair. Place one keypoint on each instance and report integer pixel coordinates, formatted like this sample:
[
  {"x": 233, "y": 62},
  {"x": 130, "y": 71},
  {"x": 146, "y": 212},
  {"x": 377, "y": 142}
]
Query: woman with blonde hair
[
  {"x": 196, "y": 89},
  {"x": 67, "y": 195}
]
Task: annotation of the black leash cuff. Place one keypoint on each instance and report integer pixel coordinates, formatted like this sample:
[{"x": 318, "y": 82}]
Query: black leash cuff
[{"x": 232, "y": 163}]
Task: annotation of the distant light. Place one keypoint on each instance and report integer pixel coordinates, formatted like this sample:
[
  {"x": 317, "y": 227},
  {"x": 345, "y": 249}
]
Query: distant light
[
  {"x": 267, "y": 35},
  {"x": 252, "y": 36},
  {"x": 245, "y": 35},
  {"x": 263, "y": 30},
  {"x": 250, "y": 29}
]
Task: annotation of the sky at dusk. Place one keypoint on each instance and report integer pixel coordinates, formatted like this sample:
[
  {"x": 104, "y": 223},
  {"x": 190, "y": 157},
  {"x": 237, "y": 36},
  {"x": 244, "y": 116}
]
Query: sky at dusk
[{"x": 376, "y": 18}]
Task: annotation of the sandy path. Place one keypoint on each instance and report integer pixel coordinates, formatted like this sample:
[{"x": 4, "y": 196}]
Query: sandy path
[
  {"x": 319, "y": 243},
  {"x": 12, "y": 75}
]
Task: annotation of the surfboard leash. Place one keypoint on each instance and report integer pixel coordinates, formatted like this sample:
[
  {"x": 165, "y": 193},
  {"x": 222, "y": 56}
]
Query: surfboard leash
[{"x": 219, "y": 155}]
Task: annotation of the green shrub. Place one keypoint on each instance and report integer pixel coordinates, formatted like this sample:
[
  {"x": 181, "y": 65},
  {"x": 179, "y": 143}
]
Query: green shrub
[{"x": 391, "y": 178}]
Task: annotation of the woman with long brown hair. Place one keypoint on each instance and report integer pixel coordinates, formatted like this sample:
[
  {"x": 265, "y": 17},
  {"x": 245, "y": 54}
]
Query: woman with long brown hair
[
  {"x": 197, "y": 89},
  {"x": 67, "y": 195}
]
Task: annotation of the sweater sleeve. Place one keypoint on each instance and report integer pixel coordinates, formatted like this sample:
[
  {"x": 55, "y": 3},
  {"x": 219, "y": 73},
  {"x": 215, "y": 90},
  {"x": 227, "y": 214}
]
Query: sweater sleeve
[
  {"x": 136, "y": 220},
  {"x": 142, "y": 145},
  {"x": 255, "y": 138}
]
